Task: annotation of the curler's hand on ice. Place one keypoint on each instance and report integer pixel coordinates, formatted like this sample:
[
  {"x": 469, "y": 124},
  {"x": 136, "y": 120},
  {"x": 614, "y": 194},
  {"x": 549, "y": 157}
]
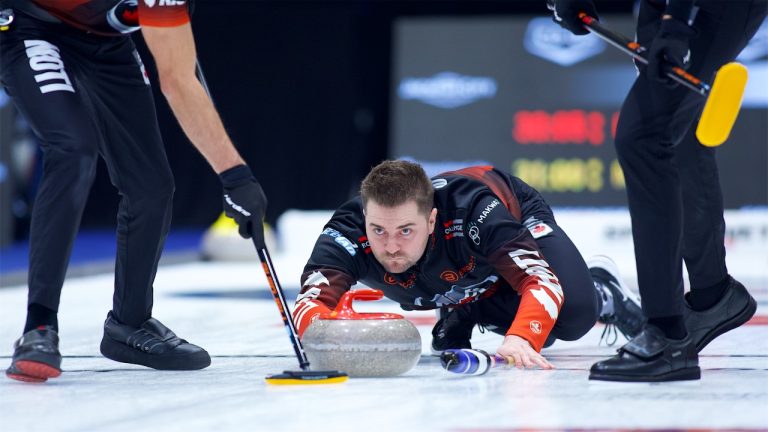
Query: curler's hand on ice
[{"x": 521, "y": 354}]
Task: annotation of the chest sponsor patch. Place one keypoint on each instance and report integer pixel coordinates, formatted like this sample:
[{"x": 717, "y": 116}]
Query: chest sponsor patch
[{"x": 453, "y": 228}]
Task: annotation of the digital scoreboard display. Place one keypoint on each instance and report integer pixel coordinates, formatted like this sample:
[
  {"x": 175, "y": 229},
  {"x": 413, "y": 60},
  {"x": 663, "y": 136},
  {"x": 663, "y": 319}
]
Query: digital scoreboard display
[{"x": 526, "y": 96}]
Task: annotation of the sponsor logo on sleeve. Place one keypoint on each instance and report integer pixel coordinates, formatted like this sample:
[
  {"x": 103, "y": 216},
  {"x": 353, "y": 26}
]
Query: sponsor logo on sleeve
[
  {"x": 124, "y": 17},
  {"x": 439, "y": 183},
  {"x": 487, "y": 210},
  {"x": 537, "y": 228},
  {"x": 341, "y": 240},
  {"x": 152, "y": 3},
  {"x": 535, "y": 326}
]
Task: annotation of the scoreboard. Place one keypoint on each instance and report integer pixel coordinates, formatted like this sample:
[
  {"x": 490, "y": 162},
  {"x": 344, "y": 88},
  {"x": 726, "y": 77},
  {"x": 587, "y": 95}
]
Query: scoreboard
[{"x": 526, "y": 96}]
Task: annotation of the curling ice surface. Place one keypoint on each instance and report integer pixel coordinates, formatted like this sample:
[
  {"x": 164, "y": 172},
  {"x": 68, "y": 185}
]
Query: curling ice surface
[{"x": 227, "y": 309}]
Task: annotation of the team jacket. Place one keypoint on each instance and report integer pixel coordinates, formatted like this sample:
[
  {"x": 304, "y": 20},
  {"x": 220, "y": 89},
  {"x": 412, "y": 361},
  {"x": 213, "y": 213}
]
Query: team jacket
[
  {"x": 111, "y": 17},
  {"x": 482, "y": 240}
]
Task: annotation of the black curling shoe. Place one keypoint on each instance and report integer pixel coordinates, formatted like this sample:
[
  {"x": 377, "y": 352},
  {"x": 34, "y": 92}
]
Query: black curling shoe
[
  {"x": 36, "y": 356},
  {"x": 452, "y": 331},
  {"x": 152, "y": 344},
  {"x": 734, "y": 309},
  {"x": 650, "y": 357}
]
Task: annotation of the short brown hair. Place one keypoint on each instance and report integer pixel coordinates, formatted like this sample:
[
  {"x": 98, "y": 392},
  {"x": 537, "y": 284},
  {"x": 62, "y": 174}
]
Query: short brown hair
[{"x": 395, "y": 182}]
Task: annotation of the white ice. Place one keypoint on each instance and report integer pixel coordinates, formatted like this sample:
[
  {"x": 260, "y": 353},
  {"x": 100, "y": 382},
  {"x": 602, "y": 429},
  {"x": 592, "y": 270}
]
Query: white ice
[{"x": 247, "y": 341}]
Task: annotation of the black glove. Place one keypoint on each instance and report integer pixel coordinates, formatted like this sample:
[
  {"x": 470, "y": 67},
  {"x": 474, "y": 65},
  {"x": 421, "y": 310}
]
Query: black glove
[
  {"x": 244, "y": 201},
  {"x": 566, "y": 13},
  {"x": 669, "y": 48}
]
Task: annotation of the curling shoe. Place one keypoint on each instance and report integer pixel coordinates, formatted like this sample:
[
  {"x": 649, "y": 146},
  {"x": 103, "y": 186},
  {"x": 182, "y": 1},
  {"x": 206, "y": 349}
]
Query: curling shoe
[
  {"x": 650, "y": 357},
  {"x": 452, "y": 331},
  {"x": 620, "y": 307},
  {"x": 36, "y": 356},
  {"x": 152, "y": 344},
  {"x": 734, "y": 309}
]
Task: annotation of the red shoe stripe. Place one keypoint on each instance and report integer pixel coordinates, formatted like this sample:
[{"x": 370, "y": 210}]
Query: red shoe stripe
[{"x": 37, "y": 370}]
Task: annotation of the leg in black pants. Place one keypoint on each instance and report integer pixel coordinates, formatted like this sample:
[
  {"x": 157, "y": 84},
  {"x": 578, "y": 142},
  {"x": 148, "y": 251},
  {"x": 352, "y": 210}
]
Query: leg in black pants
[
  {"x": 672, "y": 183},
  {"x": 87, "y": 95},
  {"x": 106, "y": 109},
  {"x": 667, "y": 185}
]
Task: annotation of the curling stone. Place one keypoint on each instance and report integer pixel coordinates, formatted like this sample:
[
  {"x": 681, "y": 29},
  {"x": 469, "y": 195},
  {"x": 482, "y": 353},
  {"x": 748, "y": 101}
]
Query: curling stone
[{"x": 362, "y": 344}]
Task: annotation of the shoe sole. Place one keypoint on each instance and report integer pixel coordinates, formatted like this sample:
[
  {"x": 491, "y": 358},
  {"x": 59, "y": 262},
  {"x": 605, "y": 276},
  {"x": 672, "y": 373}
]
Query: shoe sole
[
  {"x": 687, "y": 374},
  {"x": 124, "y": 354},
  {"x": 25, "y": 378},
  {"x": 737, "y": 321},
  {"x": 32, "y": 371}
]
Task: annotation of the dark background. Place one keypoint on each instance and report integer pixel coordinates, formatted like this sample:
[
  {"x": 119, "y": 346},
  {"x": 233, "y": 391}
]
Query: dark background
[
  {"x": 542, "y": 104},
  {"x": 304, "y": 89}
]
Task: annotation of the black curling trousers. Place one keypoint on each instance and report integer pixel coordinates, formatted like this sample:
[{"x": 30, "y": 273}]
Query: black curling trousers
[
  {"x": 86, "y": 96},
  {"x": 673, "y": 188}
]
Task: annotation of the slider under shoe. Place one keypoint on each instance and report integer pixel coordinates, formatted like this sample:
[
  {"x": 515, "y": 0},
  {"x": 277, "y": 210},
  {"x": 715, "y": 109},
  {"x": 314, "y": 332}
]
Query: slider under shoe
[
  {"x": 36, "y": 356},
  {"x": 152, "y": 344}
]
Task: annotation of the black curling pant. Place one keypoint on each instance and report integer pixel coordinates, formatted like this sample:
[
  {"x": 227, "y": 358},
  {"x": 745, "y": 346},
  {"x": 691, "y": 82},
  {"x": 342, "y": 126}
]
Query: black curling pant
[
  {"x": 673, "y": 188},
  {"x": 86, "y": 96}
]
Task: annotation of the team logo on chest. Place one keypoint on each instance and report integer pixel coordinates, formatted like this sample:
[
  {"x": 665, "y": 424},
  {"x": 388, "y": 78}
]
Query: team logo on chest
[
  {"x": 449, "y": 276},
  {"x": 391, "y": 280},
  {"x": 454, "y": 275}
]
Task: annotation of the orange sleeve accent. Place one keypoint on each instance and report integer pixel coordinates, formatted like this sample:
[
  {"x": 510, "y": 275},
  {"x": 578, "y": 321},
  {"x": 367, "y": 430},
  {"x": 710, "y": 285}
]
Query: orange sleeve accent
[
  {"x": 533, "y": 322},
  {"x": 163, "y": 13},
  {"x": 305, "y": 313}
]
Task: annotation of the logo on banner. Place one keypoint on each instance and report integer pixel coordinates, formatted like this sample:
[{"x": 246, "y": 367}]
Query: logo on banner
[
  {"x": 447, "y": 90},
  {"x": 545, "y": 39}
]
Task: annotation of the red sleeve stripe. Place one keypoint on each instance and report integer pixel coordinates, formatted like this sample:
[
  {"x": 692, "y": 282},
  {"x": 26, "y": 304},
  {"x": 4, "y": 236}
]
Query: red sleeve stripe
[{"x": 163, "y": 13}]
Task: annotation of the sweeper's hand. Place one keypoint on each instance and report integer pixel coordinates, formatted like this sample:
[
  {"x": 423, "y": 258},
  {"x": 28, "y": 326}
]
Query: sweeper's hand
[
  {"x": 244, "y": 201},
  {"x": 566, "y": 13},
  {"x": 519, "y": 352},
  {"x": 670, "y": 47}
]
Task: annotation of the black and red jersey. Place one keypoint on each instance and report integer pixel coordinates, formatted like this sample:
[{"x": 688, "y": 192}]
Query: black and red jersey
[
  {"x": 484, "y": 237},
  {"x": 112, "y": 17}
]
